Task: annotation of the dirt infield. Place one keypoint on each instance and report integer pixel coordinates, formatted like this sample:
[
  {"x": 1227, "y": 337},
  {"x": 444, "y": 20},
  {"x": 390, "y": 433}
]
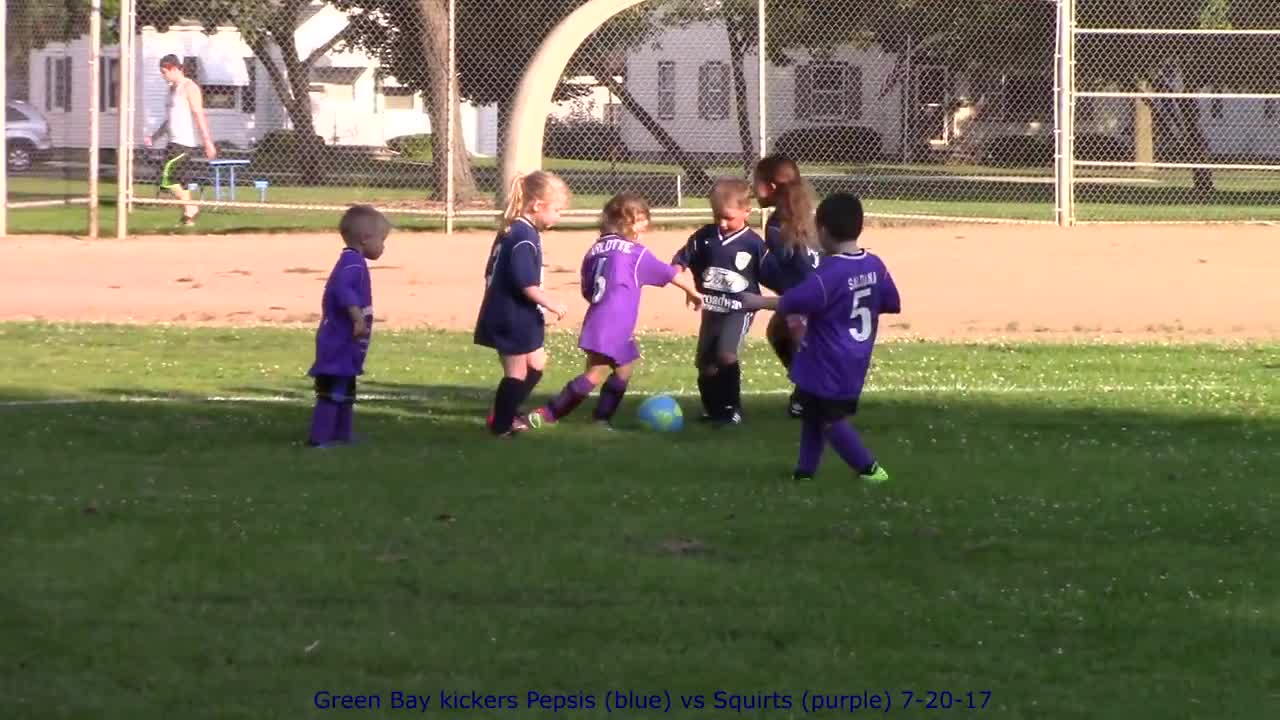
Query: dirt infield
[{"x": 957, "y": 282}]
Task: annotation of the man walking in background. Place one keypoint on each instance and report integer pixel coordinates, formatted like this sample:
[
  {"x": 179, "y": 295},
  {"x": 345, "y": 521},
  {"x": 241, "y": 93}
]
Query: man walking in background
[{"x": 185, "y": 114}]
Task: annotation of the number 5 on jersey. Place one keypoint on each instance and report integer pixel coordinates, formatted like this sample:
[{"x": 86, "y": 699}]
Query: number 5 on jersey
[
  {"x": 600, "y": 281},
  {"x": 860, "y": 316}
]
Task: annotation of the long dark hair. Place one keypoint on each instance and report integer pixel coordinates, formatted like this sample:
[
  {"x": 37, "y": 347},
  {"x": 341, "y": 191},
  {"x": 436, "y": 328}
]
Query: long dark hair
[{"x": 791, "y": 196}]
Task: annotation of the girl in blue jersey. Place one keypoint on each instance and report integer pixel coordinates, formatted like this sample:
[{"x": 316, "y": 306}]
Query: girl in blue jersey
[
  {"x": 511, "y": 315},
  {"x": 791, "y": 239}
]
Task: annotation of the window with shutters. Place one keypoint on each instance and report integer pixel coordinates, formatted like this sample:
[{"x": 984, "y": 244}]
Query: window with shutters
[
  {"x": 1270, "y": 110},
  {"x": 828, "y": 92},
  {"x": 109, "y": 89},
  {"x": 57, "y": 84},
  {"x": 191, "y": 67},
  {"x": 713, "y": 91},
  {"x": 666, "y": 90}
]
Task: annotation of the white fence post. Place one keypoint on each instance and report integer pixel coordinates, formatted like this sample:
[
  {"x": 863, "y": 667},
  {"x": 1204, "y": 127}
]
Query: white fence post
[{"x": 1064, "y": 110}]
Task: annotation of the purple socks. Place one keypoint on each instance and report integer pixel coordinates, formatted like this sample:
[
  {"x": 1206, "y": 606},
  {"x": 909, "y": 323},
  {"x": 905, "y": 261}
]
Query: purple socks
[
  {"x": 580, "y": 388},
  {"x": 842, "y": 437},
  {"x": 324, "y": 422},
  {"x": 610, "y": 397},
  {"x": 574, "y": 392}
]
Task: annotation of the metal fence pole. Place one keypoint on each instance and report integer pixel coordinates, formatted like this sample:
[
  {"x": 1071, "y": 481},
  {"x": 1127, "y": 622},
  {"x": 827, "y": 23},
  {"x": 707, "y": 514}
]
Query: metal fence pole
[
  {"x": 4, "y": 144},
  {"x": 1064, "y": 104},
  {"x": 449, "y": 139},
  {"x": 95, "y": 117},
  {"x": 762, "y": 65},
  {"x": 124, "y": 116}
]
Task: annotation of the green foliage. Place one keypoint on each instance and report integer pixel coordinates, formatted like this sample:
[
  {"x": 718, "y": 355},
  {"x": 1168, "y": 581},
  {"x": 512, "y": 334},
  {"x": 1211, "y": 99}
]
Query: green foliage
[{"x": 417, "y": 147}]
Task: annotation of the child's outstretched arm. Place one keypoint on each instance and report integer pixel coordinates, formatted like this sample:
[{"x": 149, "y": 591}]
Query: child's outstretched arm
[
  {"x": 540, "y": 296},
  {"x": 754, "y": 302},
  {"x": 691, "y": 296}
]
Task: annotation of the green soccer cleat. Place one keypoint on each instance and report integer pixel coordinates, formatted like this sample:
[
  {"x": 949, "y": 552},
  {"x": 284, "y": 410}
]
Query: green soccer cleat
[{"x": 876, "y": 476}]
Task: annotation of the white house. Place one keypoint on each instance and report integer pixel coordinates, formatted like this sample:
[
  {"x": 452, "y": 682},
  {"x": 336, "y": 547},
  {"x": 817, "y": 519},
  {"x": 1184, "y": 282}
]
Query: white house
[
  {"x": 684, "y": 81},
  {"x": 352, "y": 103}
]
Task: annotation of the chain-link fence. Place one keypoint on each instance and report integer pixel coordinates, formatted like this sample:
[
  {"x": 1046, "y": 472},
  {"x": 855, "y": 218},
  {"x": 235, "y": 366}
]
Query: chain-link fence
[
  {"x": 56, "y": 89},
  {"x": 1007, "y": 110},
  {"x": 1177, "y": 110}
]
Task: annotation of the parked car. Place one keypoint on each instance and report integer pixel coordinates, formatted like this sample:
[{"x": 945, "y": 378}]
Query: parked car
[{"x": 26, "y": 135}]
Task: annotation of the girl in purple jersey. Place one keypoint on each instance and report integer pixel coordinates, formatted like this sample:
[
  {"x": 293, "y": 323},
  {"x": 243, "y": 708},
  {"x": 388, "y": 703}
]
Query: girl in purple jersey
[{"x": 614, "y": 271}]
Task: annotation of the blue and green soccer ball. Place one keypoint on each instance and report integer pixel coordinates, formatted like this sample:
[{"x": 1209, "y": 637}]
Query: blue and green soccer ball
[{"x": 661, "y": 413}]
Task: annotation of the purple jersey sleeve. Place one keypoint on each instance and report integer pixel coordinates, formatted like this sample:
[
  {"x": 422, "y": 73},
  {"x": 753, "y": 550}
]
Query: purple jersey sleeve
[
  {"x": 809, "y": 297},
  {"x": 347, "y": 287},
  {"x": 652, "y": 271},
  {"x": 890, "y": 301},
  {"x": 524, "y": 265}
]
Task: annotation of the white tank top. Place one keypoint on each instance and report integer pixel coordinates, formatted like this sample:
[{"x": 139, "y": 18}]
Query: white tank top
[{"x": 182, "y": 122}]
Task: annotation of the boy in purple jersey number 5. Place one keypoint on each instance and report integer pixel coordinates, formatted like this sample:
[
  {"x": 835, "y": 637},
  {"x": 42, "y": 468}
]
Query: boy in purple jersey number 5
[
  {"x": 342, "y": 340},
  {"x": 614, "y": 271},
  {"x": 842, "y": 300}
]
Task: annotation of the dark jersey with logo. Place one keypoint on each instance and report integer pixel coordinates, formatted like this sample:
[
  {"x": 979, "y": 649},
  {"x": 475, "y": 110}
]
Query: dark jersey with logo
[{"x": 723, "y": 266}]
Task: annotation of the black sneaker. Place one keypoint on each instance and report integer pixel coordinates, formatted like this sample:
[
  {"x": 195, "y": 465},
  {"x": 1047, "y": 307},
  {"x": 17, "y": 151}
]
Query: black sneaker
[
  {"x": 733, "y": 418},
  {"x": 801, "y": 476}
]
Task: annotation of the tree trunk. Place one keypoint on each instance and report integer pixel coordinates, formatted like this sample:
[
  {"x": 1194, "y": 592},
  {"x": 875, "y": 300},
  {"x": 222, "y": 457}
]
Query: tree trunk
[
  {"x": 435, "y": 38},
  {"x": 297, "y": 102},
  {"x": 1144, "y": 129},
  {"x": 694, "y": 169},
  {"x": 737, "y": 49}
]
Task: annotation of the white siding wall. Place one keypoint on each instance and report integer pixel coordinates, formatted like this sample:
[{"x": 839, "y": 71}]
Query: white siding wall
[{"x": 692, "y": 46}]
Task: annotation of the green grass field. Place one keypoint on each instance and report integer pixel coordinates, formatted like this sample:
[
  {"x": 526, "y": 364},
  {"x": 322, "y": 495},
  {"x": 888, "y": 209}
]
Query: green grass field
[{"x": 1072, "y": 531}]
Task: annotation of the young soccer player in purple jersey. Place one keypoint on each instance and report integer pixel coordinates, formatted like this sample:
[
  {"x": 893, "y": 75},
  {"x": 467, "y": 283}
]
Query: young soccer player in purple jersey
[
  {"x": 615, "y": 270},
  {"x": 511, "y": 315},
  {"x": 842, "y": 301},
  {"x": 725, "y": 260},
  {"x": 342, "y": 340}
]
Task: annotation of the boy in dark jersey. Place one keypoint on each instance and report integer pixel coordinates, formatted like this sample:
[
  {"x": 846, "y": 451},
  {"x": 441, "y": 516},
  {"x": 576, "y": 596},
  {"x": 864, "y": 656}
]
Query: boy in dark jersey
[
  {"x": 725, "y": 260},
  {"x": 342, "y": 340},
  {"x": 842, "y": 301}
]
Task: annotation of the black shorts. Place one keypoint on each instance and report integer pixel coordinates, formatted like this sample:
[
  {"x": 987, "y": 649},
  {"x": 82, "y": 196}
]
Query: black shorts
[
  {"x": 721, "y": 334},
  {"x": 176, "y": 170},
  {"x": 825, "y": 410},
  {"x": 336, "y": 388}
]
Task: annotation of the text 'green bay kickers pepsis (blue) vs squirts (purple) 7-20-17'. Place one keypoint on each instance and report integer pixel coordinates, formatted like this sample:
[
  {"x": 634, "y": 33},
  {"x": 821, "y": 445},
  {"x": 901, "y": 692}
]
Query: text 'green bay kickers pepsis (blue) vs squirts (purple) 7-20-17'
[{"x": 660, "y": 702}]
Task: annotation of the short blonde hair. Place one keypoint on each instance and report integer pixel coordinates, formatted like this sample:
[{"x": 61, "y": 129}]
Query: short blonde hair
[
  {"x": 730, "y": 192},
  {"x": 622, "y": 213}
]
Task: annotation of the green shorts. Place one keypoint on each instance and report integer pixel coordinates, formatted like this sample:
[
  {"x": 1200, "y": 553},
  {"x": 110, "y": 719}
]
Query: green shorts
[{"x": 175, "y": 171}]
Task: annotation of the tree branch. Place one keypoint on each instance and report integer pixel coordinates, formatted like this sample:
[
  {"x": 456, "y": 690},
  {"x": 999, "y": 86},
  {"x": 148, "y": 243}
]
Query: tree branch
[{"x": 353, "y": 26}]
